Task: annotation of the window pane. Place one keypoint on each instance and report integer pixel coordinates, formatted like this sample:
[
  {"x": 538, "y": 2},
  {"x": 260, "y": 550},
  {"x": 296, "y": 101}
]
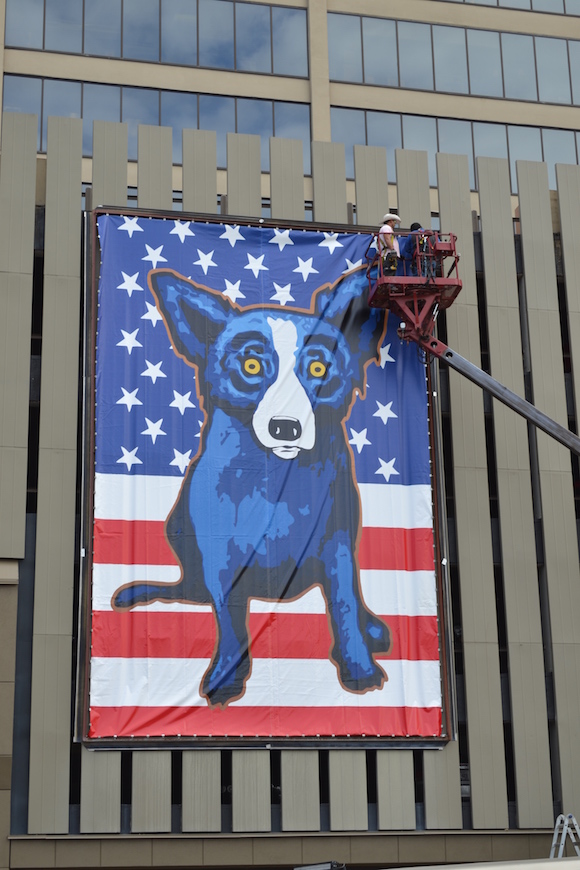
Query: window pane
[
  {"x": 484, "y": 63},
  {"x": 290, "y": 43},
  {"x": 420, "y": 134},
  {"x": 24, "y": 23},
  {"x": 23, "y": 95},
  {"x": 292, "y": 121},
  {"x": 524, "y": 144},
  {"x": 348, "y": 127},
  {"x": 63, "y": 26},
  {"x": 216, "y": 33},
  {"x": 455, "y": 138},
  {"x": 344, "y": 48},
  {"x": 141, "y": 29},
  {"x": 100, "y": 103},
  {"x": 553, "y": 74},
  {"x": 384, "y": 128},
  {"x": 62, "y": 99},
  {"x": 178, "y": 111},
  {"x": 485, "y": 2},
  {"x": 572, "y": 7},
  {"x": 380, "y": 52},
  {"x": 140, "y": 106},
  {"x": 519, "y": 73},
  {"x": 219, "y": 114},
  {"x": 574, "y": 49},
  {"x": 253, "y": 45},
  {"x": 415, "y": 59},
  {"x": 515, "y": 4},
  {"x": 450, "y": 56},
  {"x": 103, "y": 28},
  {"x": 256, "y": 116},
  {"x": 548, "y": 5},
  {"x": 179, "y": 32},
  {"x": 489, "y": 140},
  {"x": 559, "y": 147}
]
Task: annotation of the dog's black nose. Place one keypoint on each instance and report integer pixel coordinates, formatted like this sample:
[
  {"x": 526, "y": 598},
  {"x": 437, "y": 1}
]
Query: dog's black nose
[{"x": 285, "y": 428}]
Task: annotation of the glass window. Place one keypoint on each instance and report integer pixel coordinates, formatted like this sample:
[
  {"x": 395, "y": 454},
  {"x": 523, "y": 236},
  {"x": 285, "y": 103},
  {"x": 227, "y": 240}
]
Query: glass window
[
  {"x": 420, "y": 134},
  {"x": 140, "y": 106},
  {"x": 574, "y": 49},
  {"x": 553, "y": 73},
  {"x": 63, "y": 27},
  {"x": 489, "y": 140},
  {"x": 485, "y": 2},
  {"x": 548, "y": 5},
  {"x": 380, "y": 52},
  {"x": 216, "y": 33},
  {"x": 559, "y": 147},
  {"x": 519, "y": 71},
  {"x": 484, "y": 63},
  {"x": 100, "y": 103},
  {"x": 253, "y": 43},
  {"x": 178, "y": 111},
  {"x": 415, "y": 60},
  {"x": 141, "y": 29},
  {"x": 450, "y": 56},
  {"x": 348, "y": 127},
  {"x": 256, "y": 116},
  {"x": 22, "y": 94},
  {"x": 515, "y": 4},
  {"x": 179, "y": 32},
  {"x": 572, "y": 7},
  {"x": 292, "y": 121},
  {"x": 103, "y": 28},
  {"x": 219, "y": 114},
  {"x": 62, "y": 99},
  {"x": 344, "y": 48},
  {"x": 289, "y": 41},
  {"x": 24, "y": 20},
  {"x": 524, "y": 144},
  {"x": 384, "y": 128},
  {"x": 455, "y": 138}
]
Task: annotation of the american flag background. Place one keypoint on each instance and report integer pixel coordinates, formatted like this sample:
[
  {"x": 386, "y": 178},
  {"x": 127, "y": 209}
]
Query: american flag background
[{"x": 146, "y": 664}]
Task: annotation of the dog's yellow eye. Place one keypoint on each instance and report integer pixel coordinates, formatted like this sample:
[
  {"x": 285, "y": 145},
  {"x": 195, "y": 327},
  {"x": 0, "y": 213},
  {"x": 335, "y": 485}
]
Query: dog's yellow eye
[
  {"x": 317, "y": 369},
  {"x": 252, "y": 366}
]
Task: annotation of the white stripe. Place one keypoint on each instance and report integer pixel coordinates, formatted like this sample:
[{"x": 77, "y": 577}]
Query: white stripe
[
  {"x": 117, "y": 682},
  {"x": 150, "y": 497},
  {"x": 395, "y": 593}
]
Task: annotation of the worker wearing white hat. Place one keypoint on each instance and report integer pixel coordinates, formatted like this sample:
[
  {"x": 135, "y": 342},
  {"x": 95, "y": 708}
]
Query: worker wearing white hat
[{"x": 387, "y": 237}]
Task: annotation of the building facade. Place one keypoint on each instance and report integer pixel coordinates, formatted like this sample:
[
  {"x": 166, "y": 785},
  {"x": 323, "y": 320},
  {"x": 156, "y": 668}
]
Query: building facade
[{"x": 459, "y": 115}]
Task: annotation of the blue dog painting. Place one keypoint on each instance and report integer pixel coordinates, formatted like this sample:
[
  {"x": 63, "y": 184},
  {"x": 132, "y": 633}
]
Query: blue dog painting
[{"x": 269, "y": 507}]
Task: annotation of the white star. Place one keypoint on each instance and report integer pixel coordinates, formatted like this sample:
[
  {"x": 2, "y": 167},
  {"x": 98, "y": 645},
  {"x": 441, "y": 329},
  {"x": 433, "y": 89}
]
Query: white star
[
  {"x": 129, "y": 458},
  {"x": 131, "y": 226},
  {"x": 331, "y": 242},
  {"x": 129, "y": 399},
  {"x": 282, "y": 294},
  {"x": 233, "y": 291},
  {"x": 153, "y": 371},
  {"x": 305, "y": 268},
  {"x": 374, "y": 244},
  {"x": 205, "y": 261},
  {"x": 129, "y": 283},
  {"x": 153, "y": 429},
  {"x": 386, "y": 355},
  {"x": 181, "y": 459},
  {"x": 152, "y": 314},
  {"x": 359, "y": 439},
  {"x": 181, "y": 402},
  {"x": 350, "y": 265},
  {"x": 154, "y": 256},
  {"x": 200, "y": 422},
  {"x": 182, "y": 230},
  {"x": 281, "y": 238},
  {"x": 129, "y": 341},
  {"x": 256, "y": 265},
  {"x": 387, "y": 469},
  {"x": 384, "y": 412},
  {"x": 233, "y": 235}
]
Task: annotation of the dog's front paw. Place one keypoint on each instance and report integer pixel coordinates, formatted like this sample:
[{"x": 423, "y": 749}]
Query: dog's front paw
[
  {"x": 359, "y": 679},
  {"x": 377, "y": 634}
]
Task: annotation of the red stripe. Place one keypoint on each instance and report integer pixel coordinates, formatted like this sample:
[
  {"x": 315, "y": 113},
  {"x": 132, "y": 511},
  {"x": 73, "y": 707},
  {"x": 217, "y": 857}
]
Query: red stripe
[
  {"x": 265, "y": 721},
  {"x": 143, "y": 634},
  {"x": 124, "y": 542}
]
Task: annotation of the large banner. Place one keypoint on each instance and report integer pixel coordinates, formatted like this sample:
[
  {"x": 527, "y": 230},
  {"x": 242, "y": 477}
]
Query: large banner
[{"x": 263, "y": 547}]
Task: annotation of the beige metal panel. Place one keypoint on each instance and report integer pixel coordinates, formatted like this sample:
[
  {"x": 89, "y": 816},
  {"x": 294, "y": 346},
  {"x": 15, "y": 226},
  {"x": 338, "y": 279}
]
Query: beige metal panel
[
  {"x": 8, "y": 604},
  {"x": 244, "y": 174},
  {"x": 395, "y": 790},
  {"x": 442, "y": 788},
  {"x": 15, "y": 324},
  {"x": 199, "y": 171},
  {"x": 109, "y": 163},
  {"x": 566, "y": 658},
  {"x": 17, "y": 189},
  {"x": 481, "y": 654},
  {"x": 151, "y": 792},
  {"x": 50, "y": 735},
  {"x": 154, "y": 159},
  {"x": 348, "y": 790},
  {"x": 8, "y": 568},
  {"x": 286, "y": 179},
  {"x": 413, "y": 187},
  {"x": 370, "y": 182},
  {"x": 62, "y": 240},
  {"x": 251, "y": 790},
  {"x": 329, "y": 182},
  {"x": 100, "y": 792},
  {"x": 201, "y": 792},
  {"x": 529, "y": 711},
  {"x": 13, "y": 469},
  {"x": 568, "y": 178},
  {"x": 300, "y": 790}
]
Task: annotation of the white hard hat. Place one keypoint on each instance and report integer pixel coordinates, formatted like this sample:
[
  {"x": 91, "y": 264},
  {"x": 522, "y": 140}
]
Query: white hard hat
[{"x": 391, "y": 216}]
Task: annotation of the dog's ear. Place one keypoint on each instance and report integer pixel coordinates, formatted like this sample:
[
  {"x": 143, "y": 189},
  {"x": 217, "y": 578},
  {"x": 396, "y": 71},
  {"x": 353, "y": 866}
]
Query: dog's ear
[
  {"x": 345, "y": 306},
  {"x": 194, "y": 316}
]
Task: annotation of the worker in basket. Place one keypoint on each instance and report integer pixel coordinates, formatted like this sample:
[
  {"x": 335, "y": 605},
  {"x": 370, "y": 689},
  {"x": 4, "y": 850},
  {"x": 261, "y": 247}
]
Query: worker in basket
[
  {"x": 411, "y": 252},
  {"x": 388, "y": 244}
]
